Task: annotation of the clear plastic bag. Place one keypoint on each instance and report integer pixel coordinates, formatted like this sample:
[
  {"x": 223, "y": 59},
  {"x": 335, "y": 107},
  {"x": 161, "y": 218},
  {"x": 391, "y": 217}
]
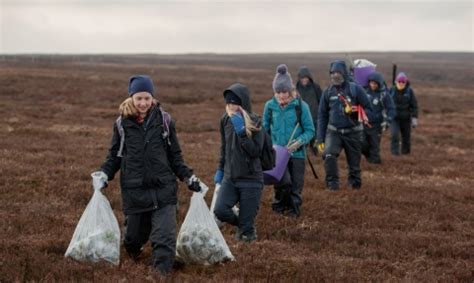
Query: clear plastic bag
[
  {"x": 199, "y": 240},
  {"x": 97, "y": 235}
]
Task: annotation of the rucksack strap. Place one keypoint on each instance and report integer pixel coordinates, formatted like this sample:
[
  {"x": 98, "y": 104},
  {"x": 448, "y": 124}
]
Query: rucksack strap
[
  {"x": 299, "y": 112},
  {"x": 352, "y": 90},
  {"x": 166, "y": 125},
  {"x": 118, "y": 124},
  {"x": 166, "y": 117},
  {"x": 298, "y": 115},
  {"x": 270, "y": 120}
]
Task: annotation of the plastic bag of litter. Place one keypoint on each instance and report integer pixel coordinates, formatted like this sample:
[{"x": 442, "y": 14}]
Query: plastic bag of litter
[
  {"x": 97, "y": 235},
  {"x": 363, "y": 63},
  {"x": 213, "y": 205},
  {"x": 199, "y": 240}
]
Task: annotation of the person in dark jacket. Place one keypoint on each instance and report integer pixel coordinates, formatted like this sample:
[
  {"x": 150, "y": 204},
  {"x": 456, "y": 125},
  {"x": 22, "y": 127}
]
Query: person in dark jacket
[
  {"x": 310, "y": 92},
  {"x": 407, "y": 114},
  {"x": 382, "y": 114},
  {"x": 240, "y": 171},
  {"x": 149, "y": 163},
  {"x": 338, "y": 128},
  {"x": 288, "y": 120}
]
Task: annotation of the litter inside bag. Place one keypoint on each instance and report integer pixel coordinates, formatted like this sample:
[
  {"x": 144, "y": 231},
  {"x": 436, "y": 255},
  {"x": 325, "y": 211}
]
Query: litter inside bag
[
  {"x": 199, "y": 240},
  {"x": 362, "y": 63},
  {"x": 97, "y": 235}
]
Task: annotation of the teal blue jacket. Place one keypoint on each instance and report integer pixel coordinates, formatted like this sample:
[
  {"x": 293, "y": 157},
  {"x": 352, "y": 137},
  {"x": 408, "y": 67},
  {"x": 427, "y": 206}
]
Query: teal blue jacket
[{"x": 284, "y": 121}]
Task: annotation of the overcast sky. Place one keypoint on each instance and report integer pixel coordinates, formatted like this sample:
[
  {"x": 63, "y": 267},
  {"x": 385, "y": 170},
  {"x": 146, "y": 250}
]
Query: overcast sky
[{"x": 167, "y": 27}]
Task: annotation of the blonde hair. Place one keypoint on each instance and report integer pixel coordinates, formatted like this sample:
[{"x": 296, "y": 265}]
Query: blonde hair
[
  {"x": 127, "y": 108},
  {"x": 250, "y": 125}
]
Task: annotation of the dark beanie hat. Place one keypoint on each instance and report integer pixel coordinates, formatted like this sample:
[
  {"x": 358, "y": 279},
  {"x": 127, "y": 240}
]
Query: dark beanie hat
[
  {"x": 140, "y": 83},
  {"x": 282, "y": 81},
  {"x": 231, "y": 97}
]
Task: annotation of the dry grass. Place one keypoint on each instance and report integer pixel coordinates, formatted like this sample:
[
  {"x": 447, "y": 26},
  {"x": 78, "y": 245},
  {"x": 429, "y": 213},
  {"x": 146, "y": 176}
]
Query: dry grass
[{"x": 412, "y": 221}]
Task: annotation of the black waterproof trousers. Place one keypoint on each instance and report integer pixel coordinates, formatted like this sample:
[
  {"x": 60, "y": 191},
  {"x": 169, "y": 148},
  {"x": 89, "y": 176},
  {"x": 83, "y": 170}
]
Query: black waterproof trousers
[
  {"x": 287, "y": 193},
  {"x": 351, "y": 142},
  {"x": 402, "y": 127},
  {"x": 371, "y": 143},
  {"x": 158, "y": 226}
]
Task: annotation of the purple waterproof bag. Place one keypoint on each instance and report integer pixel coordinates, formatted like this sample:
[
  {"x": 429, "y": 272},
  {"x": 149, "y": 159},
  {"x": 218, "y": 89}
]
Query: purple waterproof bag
[
  {"x": 271, "y": 177},
  {"x": 361, "y": 75}
]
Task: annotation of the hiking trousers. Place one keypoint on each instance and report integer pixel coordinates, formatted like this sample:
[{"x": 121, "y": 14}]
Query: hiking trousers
[
  {"x": 402, "y": 127},
  {"x": 335, "y": 142},
  {"x": 287, "y": 193},
  {"x": 371, "y": 143},
  {"x": 247, "y": 193},
  {"x": 158, "y": 226}
]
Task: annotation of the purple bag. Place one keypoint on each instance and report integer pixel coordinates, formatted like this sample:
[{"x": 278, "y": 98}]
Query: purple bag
[{"x": 271, "y": 177}]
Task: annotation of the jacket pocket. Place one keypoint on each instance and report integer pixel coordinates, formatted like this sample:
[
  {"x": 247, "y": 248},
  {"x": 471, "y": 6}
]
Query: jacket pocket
[{"x": 136, "y": 199}]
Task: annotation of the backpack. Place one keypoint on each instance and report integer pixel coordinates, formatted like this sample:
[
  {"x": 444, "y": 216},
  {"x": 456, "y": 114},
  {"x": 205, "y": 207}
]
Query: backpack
[
  {"x": 268, "y": 157},
  {"x": 166, "y": 130}
]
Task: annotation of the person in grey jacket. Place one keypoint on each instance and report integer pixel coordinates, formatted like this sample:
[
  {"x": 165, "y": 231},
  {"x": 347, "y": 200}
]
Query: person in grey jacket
[
  {"x": 240, "y": 171},
  {"x": 149, "y": 162}
]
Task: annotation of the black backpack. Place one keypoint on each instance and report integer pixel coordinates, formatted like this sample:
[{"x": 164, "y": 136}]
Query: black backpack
[{"x": 268, "y": 156}]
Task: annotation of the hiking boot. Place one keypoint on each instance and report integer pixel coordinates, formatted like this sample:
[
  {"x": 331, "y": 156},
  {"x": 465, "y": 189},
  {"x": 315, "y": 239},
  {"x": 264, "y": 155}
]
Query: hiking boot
[
  {"x": 333, "y": 188},
  {"x": 249, "y": 238},
  {"x": 292, "y": 214},
  {"x": 134, "y": 255},
  {"x": 238, "y": 234}
]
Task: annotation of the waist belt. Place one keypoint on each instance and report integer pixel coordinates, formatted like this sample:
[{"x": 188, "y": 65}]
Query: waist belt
[{"x": 357, "y": 128}]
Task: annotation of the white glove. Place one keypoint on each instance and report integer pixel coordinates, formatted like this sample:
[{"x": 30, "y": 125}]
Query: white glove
[
  {"x": 294, "y": 146},
  {"x": 99, "y": 180},
  {"x": 414, "y": 122}
]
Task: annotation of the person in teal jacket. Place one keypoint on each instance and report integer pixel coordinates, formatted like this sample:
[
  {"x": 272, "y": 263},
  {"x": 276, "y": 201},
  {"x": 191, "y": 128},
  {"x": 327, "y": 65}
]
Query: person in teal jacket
[{"x": 281, "y": 115}]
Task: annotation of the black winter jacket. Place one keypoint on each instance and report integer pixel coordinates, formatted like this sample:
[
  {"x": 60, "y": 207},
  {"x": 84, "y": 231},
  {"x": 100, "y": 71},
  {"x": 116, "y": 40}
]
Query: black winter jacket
[
  {"x": 240, "y": 155},
  {"x": 310, "y": 93},
  {"x": 405, "y": 102},
  {"x": 149, "y": 165}
]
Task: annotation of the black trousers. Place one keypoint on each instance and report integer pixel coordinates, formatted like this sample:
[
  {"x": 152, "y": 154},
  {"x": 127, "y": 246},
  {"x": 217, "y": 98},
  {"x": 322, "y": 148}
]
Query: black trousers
[
  {"x": 402, "y": 127},
  {"x": 287, "y": 193},
  {"x": 248, "y": 195},
  {"x": 371, "y": 143},
  {"x": 158, "y": 226},
  {"x": 351, "y": 143}
]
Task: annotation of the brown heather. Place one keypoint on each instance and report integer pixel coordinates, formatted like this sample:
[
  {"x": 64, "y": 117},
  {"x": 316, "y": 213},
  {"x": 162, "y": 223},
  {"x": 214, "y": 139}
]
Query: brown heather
[{"x": 413, "y": 220}]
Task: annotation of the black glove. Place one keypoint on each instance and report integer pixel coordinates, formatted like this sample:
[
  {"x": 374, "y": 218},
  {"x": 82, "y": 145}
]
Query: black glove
[{"x": 194, "y": 184}]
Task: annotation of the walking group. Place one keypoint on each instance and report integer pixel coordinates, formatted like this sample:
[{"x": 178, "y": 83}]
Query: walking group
[{"x": 348, "y": 115}]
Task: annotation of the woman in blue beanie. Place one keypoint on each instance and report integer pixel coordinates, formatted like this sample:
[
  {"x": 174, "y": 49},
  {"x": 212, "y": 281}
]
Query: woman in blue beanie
[
  {"x": 146, "y": 150},
  {"x": 287, "y": 117},
  {"x": 240, "y": 169}
]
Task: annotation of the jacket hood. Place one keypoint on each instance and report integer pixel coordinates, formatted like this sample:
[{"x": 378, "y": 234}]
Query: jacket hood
[
  {"x": 305, "y": 72},
  {"x": 339, "y": 66},
  {"x": 243, "y": 93},
  {"x": 378, "y": 78}
]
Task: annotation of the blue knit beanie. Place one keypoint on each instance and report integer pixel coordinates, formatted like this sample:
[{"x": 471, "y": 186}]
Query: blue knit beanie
[
  {"x": 282, "y": 81},
  {"x": 140, "y": 83}
]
